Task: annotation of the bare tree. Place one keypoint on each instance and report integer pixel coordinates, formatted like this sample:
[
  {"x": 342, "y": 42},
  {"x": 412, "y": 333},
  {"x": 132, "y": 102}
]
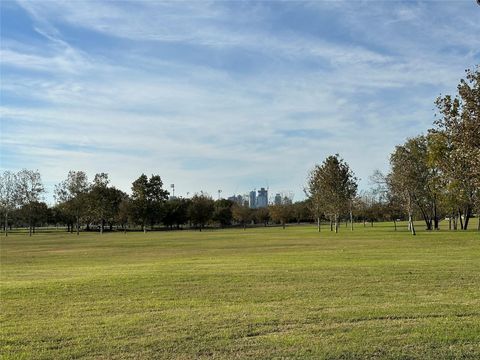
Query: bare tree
[
  {"x": 29, "y": 188},
  {"x": 8, "y": 195}
]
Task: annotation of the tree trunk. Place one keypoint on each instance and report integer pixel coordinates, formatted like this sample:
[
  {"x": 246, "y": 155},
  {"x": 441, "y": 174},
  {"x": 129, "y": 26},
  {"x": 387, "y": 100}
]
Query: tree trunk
[
  {"x": 395, "y": 224},
  {"x": 455, "y": 222},
  {"x": 318, "y": 224},
  {"x": 450, "y": 223},
  {"x": 6, "y": 223},
  {"x": 411, "y": 226},
  {"x": 78, "y": 224},
  {"x": 351, "y": 220},
  {"x": 435, "y": 217},
  {"x": 429, "y": 224},
  {"x": 460, "y": 219},
  {"x": 331, "y": 224},
  {"x": 364, "y": 222},
  {"x": 467, "y": 217},
  {"x": 283, "y": 225},
  {"x": 336, "y": 224}
]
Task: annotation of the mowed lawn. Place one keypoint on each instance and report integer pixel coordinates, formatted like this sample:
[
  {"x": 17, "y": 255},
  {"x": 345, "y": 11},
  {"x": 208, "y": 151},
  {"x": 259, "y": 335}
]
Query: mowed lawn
[{"x": 224, "y": 294}]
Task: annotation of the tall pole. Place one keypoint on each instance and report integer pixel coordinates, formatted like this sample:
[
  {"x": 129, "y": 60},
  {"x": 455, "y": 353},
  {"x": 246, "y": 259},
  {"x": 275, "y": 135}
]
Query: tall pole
[
  {"x": 219, "y": 192},
  {"x": 173, "y": 190}
]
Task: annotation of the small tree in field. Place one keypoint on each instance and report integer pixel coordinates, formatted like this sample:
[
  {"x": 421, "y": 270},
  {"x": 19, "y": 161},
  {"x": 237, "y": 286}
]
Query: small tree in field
[
  {"x": 72, "y": 192},
  {"x": 332, "y": 187},
  {"x": 281, "y": 213},
  {"x": 262, "y": 215},
  {"x": 28, "y": 190}
]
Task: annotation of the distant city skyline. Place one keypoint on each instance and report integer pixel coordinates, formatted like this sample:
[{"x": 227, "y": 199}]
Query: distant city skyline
[{"x": 223, "y": 95}]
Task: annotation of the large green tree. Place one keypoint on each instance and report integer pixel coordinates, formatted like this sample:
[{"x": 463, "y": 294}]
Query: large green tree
[
  {"x": 414, "y": 179},
  {"x": 148, "y": 196},
  {"x": 201, "y": 210},
  {"x": 176, "y": 212},
  {"x": 457, "y": 136},
  {"x": 105, "y": 201},
  {"x": 223, "y": 212}
]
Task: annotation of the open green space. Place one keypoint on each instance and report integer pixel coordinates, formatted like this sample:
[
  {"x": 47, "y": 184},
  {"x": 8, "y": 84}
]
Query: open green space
[{"x": 259, "y": 293}]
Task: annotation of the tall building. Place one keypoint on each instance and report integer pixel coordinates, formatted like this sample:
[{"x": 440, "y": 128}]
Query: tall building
[
  {"x": 262, "y": 198},
  {"x": 252, "y": 203}
]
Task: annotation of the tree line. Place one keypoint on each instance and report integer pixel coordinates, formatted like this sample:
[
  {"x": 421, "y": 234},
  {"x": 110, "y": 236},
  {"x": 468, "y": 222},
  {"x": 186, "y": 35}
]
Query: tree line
[
  {"x": 97, "y": 205},
  {"x": 431, "y": 177}
]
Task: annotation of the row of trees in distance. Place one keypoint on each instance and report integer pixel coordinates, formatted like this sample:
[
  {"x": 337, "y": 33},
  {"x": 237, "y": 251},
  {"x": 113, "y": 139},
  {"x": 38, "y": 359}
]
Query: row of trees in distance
[{"x": 81, "y": 204}]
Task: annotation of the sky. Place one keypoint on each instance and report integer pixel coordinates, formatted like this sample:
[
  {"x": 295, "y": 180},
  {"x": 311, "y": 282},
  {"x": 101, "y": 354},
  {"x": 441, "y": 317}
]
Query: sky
[{"x": 232, "y": 95}]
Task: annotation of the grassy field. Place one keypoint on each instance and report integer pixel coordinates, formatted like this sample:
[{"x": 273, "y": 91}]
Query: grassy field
[{"x": 259, "y": 293}]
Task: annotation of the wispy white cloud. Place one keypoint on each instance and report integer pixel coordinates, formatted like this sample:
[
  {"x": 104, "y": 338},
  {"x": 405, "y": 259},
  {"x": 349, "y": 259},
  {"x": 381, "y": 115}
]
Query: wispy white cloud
[{"x": 145, "y": 103}]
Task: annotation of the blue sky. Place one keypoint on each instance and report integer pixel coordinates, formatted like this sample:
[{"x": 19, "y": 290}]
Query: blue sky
[{"x": 223, "y": 95}]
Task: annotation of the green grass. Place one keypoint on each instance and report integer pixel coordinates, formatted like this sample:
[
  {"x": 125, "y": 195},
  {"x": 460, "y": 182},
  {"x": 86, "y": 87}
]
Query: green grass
[{"x": 225, "y": 294}]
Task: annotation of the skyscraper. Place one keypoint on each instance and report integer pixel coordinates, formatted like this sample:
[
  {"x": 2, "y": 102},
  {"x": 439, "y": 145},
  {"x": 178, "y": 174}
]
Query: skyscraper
[
  {"x": 252, "y": 203},
  {"x": 262, "y": 198}
]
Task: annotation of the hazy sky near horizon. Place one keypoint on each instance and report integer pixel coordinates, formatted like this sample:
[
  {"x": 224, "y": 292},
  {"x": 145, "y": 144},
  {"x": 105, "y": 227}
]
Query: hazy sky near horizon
[{"x": 223, "y": 95}]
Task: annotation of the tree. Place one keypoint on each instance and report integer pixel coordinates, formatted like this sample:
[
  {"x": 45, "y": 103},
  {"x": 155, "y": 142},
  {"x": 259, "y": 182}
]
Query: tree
[
  {"x": 414, "y": 179},
  {"x": 124, "y": 212},
  {"x": 8, "y": 195},
  {"x": 105, "y": 200},
  {"x": 223, "y": 212},
  {"x": 201, "y": 210},
  {"x": 148, "y": 197},
  {"x": 176, "y": 212},
  {"x": 281, "y": 213},
  {"x": 28, "y": 191},
  {"x": 242, "y": 214},
  {"x": 34, "y": 214},
  {"x": 331, "y": 188},
  {"x": 262, "y": 215},
  {"x": 72, "y": 192},
  {"x": 457, "y": 130},
  {"x": 301, "y": 211}
]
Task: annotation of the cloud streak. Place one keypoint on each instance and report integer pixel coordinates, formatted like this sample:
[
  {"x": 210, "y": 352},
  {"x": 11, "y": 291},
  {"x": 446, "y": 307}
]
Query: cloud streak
[{"x": 221, "y": 95}]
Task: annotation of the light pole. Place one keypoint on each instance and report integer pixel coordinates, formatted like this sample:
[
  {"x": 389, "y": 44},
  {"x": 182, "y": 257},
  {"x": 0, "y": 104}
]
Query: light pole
[{"x": 173, "y": 190}]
